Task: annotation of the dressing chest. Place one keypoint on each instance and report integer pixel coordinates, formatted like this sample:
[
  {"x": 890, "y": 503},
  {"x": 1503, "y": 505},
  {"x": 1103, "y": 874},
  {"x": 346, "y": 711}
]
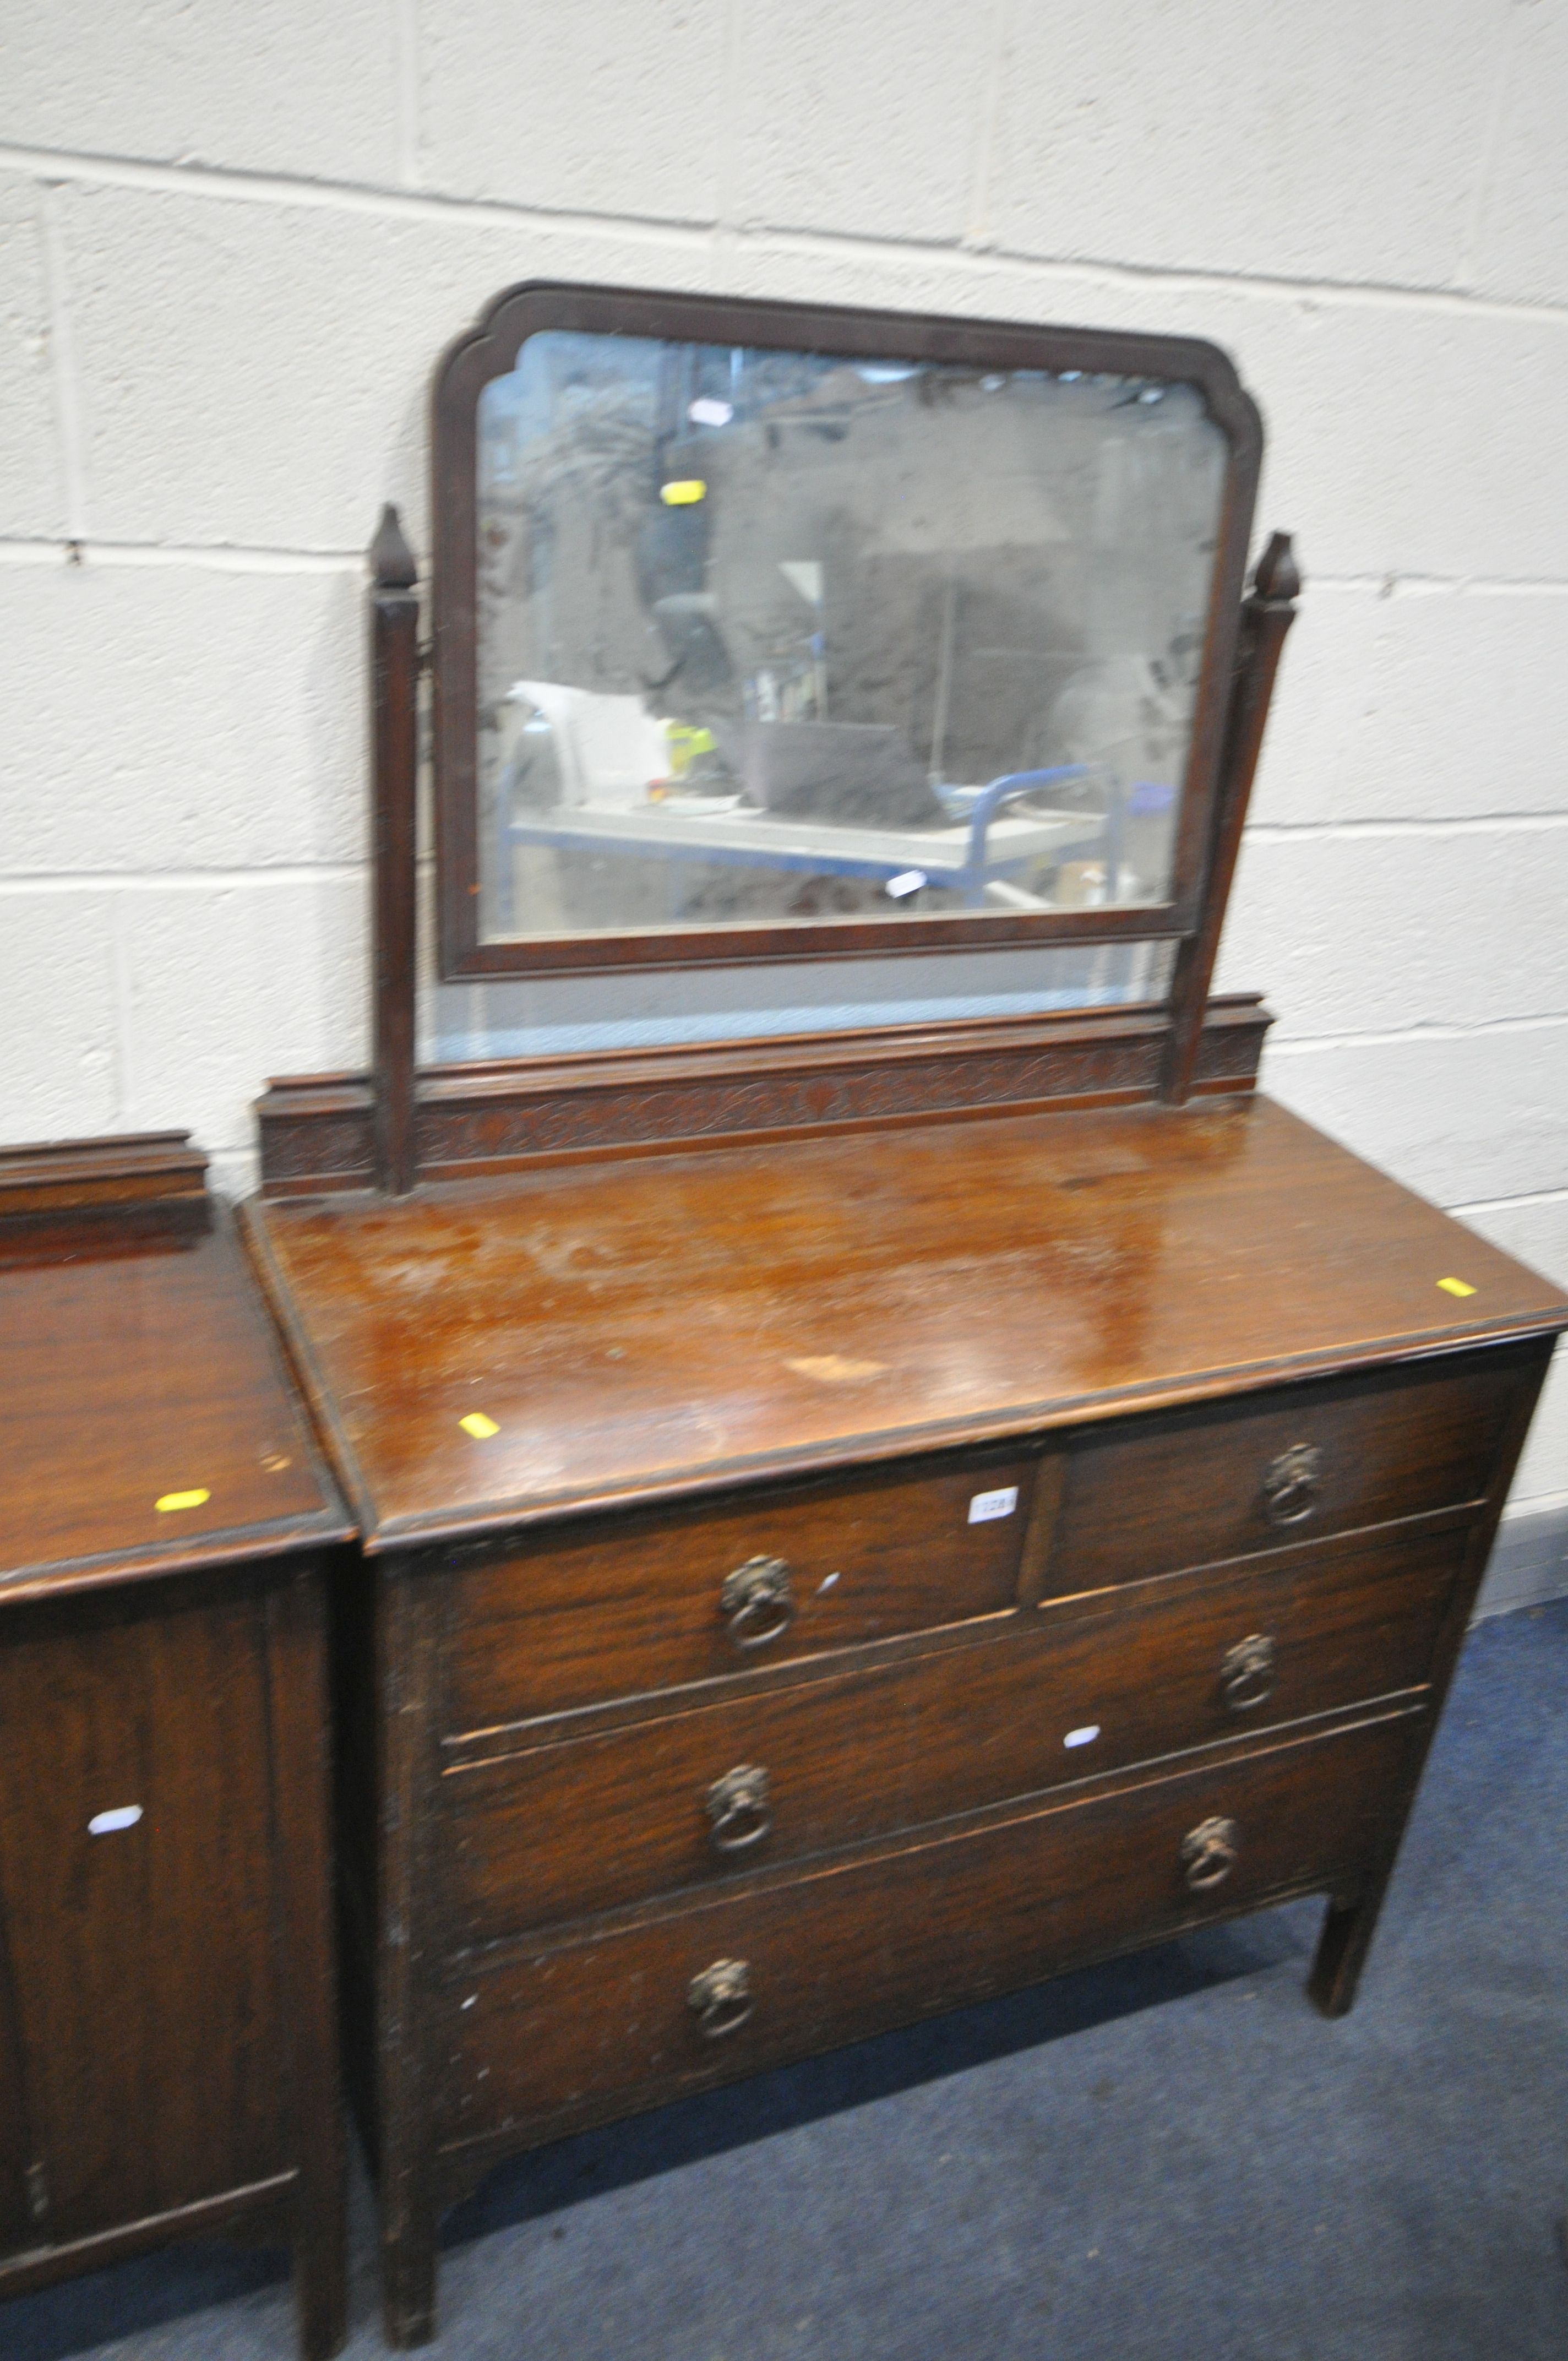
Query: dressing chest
[
  {"x": 168, "y": 2049},
  {"x": 861, "y": 1513}
]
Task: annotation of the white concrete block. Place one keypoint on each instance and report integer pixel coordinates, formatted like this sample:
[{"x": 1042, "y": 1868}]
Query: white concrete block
[
  {"x": 1368, "y": 934},
  {"x": 173, "y": 717},
  {"x": 1535, "y": 1231},
  {"x": 1522, "y": 243},
  {"x": 269, "y": 85},
  {"x": 230, "y": 984},
  {"x": 259, "y": 373},
  {"x": 1543, "y": 1466},
  {"x": 1403, "y": 439},
  {"x": 1459, "y": 1118},
  {"x": 1421, "y": 705},
  {"x": 32, "y": 499},
  {"x": 620, "y": 108},
  {"x": 1339, "y": 141},
  {"x": 58, "y": 1045},
  {"x": 864, "y": 120},
  {"x": 1538, "y": 1235}
]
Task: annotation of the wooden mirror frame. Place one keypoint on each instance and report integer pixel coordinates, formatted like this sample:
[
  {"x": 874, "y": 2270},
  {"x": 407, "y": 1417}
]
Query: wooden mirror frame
[
  {"x": 490, "y": 350},
  {"x": 400, "y": 1125}
]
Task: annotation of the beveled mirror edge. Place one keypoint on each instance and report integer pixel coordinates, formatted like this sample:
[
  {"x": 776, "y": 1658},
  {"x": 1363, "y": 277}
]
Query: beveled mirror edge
[{"x": 488, "y": 349}]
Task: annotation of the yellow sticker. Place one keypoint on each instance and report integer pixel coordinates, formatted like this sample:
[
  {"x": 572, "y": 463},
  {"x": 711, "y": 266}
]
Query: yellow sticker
[
  {"x": 181, "y": 1501},
  {"x": 682, "y": 495},
  {"x": 480, "y": 1427},
  {"x": 1455, "y": 1287}
]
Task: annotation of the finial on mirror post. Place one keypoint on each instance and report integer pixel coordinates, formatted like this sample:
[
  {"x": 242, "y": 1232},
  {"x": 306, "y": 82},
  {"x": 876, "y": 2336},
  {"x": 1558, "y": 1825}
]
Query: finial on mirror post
[
  {"x": 392, "y": 565},
  {"x": 1277, "y": 580}
]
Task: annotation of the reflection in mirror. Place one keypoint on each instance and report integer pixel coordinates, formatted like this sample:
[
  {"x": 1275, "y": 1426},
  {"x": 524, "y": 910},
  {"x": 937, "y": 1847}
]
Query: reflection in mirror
[{"x": 773, "y": 635}]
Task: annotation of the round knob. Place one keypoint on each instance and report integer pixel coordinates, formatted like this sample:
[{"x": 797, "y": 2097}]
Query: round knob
[
  {"x": 738, "y": 1806},
  {"x": 756, "y": 1601},
  {"x": 721, "y": 1998},
  {"x": 1246, "y": 1672},
  {"x": 1209, "y": 1853},
  {"x": 1291, "y": 1484}
]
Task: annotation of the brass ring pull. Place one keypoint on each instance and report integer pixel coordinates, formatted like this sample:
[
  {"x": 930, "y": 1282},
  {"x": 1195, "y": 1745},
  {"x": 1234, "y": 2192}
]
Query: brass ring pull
[
  {"x": 756, "y": 1600},
  {"x": 1209, "y": 1853},
  {"x": 1291, "y": 1484},
  {"x": 721, "y": 1998},
  {"x": 738, "y": 1806},
  {"x": 1246, "y": 1672}
]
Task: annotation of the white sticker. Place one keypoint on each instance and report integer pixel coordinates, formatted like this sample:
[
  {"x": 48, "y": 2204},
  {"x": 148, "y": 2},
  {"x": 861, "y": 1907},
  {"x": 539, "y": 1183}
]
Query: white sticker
[
  {"x": 986, "y": 1505},
  {"x": 1083, "y": 1737},
  {"x": 103, "y": 1824},
  {"x": 908, "y": 881}
]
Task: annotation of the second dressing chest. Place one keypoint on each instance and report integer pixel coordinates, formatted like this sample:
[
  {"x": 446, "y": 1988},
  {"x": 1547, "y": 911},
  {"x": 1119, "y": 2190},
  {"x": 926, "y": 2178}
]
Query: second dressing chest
[{"x": 870, "y": 1492}]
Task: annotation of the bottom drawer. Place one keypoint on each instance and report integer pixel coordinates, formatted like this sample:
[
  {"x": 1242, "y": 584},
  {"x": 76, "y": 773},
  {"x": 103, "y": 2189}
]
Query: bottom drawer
[{"x": 610, "y": 2024}]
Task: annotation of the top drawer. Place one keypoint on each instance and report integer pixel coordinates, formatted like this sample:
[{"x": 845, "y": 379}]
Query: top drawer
[
  {"x": 1194, "y": 1488},
  {"x": 581, "y": 1614}
]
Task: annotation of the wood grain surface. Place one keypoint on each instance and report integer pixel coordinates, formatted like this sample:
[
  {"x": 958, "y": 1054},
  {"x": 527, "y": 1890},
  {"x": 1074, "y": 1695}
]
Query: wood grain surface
[
  {"x": 639, "y": 1328},
  {"x": 618, "y": 1606},
  {"x": 1068, "y": 1692},
  {"x": 141, "y": 1370},
  {"x": 602, "y": 2023}
]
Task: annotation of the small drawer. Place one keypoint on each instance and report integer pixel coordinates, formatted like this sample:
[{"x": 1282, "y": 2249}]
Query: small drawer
[
  {"x": 629, "y": 2018},
  {"x": 584, "y": 1613},
  {"x": 1071, "y": 1691},
  {"x": 1194, "y": 1488}
]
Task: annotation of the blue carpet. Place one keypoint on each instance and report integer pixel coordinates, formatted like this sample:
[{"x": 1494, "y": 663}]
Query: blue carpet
[{"x": 1076, "y": 2171}]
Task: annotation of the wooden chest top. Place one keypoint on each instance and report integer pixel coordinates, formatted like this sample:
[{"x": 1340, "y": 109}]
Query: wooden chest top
[
  {"x": 136, "y": 1371},
  {"x": 631, "y": 1329}
]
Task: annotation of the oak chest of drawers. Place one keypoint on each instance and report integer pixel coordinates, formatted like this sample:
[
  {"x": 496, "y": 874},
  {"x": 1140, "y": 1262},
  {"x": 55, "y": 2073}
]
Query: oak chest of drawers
[
  {"x": 168, "y": 2049},
  {"x": 1057, "y": 1532}
]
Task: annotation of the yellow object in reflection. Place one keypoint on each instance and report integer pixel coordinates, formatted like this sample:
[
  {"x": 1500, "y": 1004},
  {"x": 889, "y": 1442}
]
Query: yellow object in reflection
[
  {"x": 181, "y": 1500},
  {"x": 480, "y": 1427},
  {"x": 681, "y": 495},
  {"x": 686, "y": 743}
]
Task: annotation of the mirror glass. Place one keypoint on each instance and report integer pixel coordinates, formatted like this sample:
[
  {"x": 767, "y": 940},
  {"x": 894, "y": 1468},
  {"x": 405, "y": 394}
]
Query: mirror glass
[{"x": 768, "y": 635}]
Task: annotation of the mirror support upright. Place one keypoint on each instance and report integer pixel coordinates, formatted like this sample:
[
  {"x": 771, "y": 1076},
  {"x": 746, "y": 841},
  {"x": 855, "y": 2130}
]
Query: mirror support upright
[
  {"x": 394, "y": 736},
  {"x": 1267, "y": 614}
]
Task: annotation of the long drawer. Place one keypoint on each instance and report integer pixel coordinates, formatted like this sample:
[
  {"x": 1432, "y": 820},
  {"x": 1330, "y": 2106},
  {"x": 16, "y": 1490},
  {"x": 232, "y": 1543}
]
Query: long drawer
[
  {"x": 1068, "y": 1692},
  {"x": 633, "y": 2016},
  {"x": 632, "y": 1603},
  {"x": 1194, "y": 1487}
]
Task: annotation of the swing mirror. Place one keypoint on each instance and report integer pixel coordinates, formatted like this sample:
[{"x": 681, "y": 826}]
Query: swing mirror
[{"x": 768, "y": 633}]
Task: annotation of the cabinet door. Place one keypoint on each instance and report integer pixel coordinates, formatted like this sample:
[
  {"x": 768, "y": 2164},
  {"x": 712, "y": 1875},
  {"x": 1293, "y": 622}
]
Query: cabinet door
[{"x": 136, "y": 1888}]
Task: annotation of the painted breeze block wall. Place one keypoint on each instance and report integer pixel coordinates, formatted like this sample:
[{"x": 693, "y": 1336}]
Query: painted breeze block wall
[{"x": 233, "y": 238}]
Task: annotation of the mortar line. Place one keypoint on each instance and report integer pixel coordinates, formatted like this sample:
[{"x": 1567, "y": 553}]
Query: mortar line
[
  {"x": 988, "y": 127},
  {"x": 62, "y": 367},
  {"x": 125, "y": 1053},
  {"x": 203, "y": 557},
  {"x": 1507, "y": 1205},
  {"x": 1304, "y": 1044},
  {"x": 696, "y": 236},
  {"x": 261, "y": 557},
  {"x": 1486, "y": 155},
  {"x": 1357, "y": 830},
  {"x": 15, "y": 884},
  {"x": 405, "y": 37}
]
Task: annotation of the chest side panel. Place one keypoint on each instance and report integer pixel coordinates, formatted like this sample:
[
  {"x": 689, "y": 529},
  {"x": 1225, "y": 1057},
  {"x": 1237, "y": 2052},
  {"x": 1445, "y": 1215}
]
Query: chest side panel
[{"x": 136, "y": 1877}]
